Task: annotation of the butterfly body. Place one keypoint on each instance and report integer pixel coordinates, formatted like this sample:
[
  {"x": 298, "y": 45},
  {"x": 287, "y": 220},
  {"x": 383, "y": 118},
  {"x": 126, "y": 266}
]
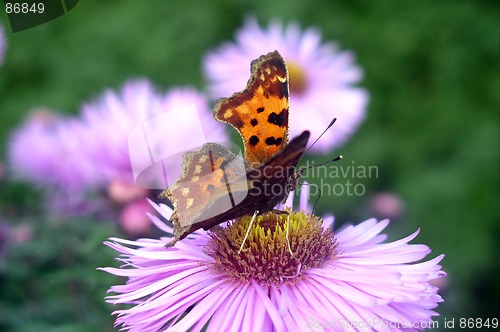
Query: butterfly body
[{"x": 216, "y": 185}]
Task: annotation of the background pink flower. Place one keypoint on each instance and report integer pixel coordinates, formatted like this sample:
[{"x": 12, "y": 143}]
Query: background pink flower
[
  {"x": 46, "y": 150},
  {"x": 91, "y": 154},
  {"x": 322, "y": 78}
]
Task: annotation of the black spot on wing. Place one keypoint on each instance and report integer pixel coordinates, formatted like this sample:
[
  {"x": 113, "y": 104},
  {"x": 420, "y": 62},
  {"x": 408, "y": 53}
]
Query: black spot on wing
[
  {"x": 277, "y": 119},
  {"x": 274, "y": 141},
  {"x": 253, "y": 140},
  {"x": 260, "y": 109},
  {"x": 254, "y": 122}
]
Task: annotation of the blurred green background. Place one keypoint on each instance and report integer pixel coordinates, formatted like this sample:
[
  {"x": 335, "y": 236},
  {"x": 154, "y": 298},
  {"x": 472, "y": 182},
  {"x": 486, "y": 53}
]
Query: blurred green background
[{"x": 431, "y": 68}]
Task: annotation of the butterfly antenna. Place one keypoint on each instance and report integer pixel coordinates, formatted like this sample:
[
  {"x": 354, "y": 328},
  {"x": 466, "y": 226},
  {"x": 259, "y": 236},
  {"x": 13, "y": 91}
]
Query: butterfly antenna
[
  {"x": 317, "y": 198},
  {"x": 303, "y": 168},
  {"x": 248, "y": 231},
  {"x": 339, "y": 157},
  {"x": 317, "y": 139}
]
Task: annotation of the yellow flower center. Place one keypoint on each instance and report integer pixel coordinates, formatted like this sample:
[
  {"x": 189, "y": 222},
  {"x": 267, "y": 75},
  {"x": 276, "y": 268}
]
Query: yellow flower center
[
  {"x": 266, "y": 255},
  {"x": 298, "y": 78}
]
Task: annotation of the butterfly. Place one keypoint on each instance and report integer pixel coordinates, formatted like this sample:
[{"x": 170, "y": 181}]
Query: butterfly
[{"x": 216, "y": 185}]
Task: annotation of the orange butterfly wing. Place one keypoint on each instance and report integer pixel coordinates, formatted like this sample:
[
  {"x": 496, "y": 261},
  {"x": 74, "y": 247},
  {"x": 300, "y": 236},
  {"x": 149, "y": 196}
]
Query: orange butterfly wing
[
  {"x": 260, "y": 112},
  {"x": 216, "y": 185},
  {"x": 213, "y": 181}
]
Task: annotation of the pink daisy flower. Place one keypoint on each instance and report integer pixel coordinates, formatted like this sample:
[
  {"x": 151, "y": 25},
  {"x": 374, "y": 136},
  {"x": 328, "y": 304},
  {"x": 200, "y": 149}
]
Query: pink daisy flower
[
  {"x": 45, "y": 150},
  {"x": 322, "y": 78},
  {"x": 91, "y": 153},
  {"x": 332, "y": 282}
]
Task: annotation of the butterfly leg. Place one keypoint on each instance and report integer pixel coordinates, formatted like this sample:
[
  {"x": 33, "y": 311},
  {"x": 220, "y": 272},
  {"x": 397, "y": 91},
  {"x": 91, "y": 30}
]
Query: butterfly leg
[
  {"x": 248, "y": 231},
  {"x": 299, "y": 267},
  {"x": 288, "y": 235}
]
